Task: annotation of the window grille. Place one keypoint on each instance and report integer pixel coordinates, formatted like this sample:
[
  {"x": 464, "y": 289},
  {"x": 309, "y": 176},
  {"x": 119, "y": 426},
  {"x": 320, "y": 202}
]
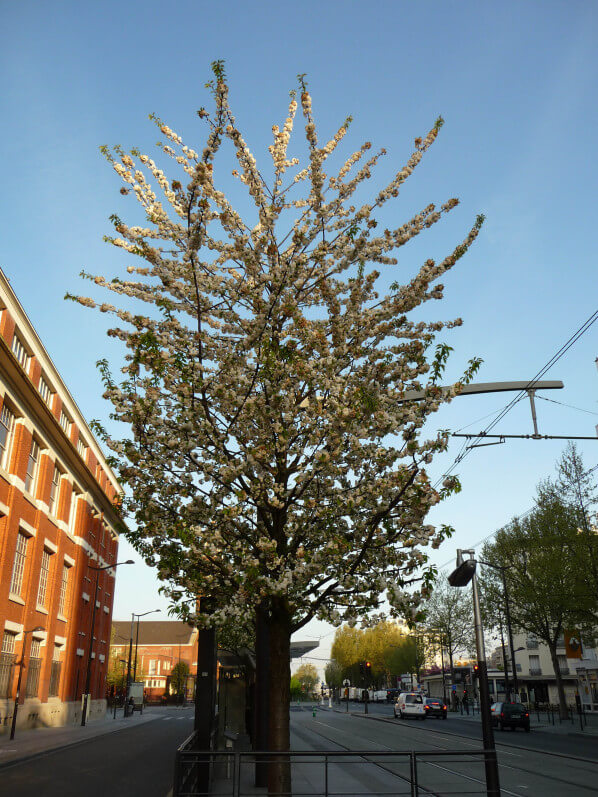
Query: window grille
[
  {"x": 45, "y": 392},
  {"x": 54, "y": 490},
  {"x": 18, "y": 568},
  {"x": 8, "y": 642},
  {"x": 32, "y": 465},
  {"x": 43, "y": 578},
  {"x": 33, "y": 669},
  {"x": 7, "y": 421},
  {"x": 19, "y": 351},
  {"x": 63, "y": 589},
  {"x": 55, "y": 673}
]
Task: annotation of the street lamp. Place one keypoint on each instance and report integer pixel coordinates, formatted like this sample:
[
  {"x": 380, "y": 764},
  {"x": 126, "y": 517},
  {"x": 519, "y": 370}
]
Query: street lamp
[
  {"x": 460, "y": 577},
  {"x": 133, "y": 616},
  {"x": 16, "y": 708},
  {"x": 153, "y": 611},
  {"x": 93, "y": 618}
]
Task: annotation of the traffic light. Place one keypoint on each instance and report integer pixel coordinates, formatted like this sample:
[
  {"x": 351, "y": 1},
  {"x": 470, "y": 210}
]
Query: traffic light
[
  {"x": 476, "y": 670},
  {"x": 368, "y": 667}
]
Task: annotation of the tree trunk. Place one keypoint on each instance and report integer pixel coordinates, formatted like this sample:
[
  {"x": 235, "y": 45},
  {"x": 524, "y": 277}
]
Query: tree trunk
[
  {"x": 563, "y": 710},
  {"x": 279, "y": 770}
]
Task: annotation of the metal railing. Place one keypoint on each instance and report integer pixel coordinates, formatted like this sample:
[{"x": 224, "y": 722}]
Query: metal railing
[{"x": 328, "y": 772}]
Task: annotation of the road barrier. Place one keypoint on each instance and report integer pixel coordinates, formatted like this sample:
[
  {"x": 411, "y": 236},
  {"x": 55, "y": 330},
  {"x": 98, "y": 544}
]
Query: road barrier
[{"x": 327, "y": 772}]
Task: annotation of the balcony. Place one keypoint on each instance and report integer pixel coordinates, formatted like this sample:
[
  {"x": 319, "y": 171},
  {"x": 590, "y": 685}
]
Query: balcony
[{"x": 535, "y": 671}]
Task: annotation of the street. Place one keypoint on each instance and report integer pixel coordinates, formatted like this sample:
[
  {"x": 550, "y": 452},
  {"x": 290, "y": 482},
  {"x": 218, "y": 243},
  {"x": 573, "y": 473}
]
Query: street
[
  {"x": 139, "y": 760},
  {"x": 135, "y": 761}
]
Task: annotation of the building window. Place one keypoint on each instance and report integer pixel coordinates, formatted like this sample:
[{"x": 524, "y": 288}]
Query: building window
[
  {"x": 65, "y": 422},
  {"x": 45, "y": 391},
  {"x": 32, "y": 465},
  {"x": 7, "y": 661},
  {"x": 153, "y": 667},
  {"x": 73, "y": 512},
  {"x": 18, "y": 568},
  {"x": 534, "y": 665},
  {"x": 7, "y": 422},
  {"x": 55, "y": 673},
  {"x": 54, "y": 490},
  {"x": 33, "y": 669},
  {"x": 19, "y": 351},
  {"x": 563, "y": 666},
  {"x": 81, "y": 447},
  {"x": 63, "y": 590},
  {"x": 43, "y": 578}
]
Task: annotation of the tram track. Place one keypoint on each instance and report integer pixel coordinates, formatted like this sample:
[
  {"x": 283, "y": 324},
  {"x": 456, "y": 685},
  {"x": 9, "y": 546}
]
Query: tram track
[{"x": 515, "y": 767}]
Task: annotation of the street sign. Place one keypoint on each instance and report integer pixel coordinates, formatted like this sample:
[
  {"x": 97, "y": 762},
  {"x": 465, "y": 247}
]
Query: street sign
[{"x": 346, "y": 682}]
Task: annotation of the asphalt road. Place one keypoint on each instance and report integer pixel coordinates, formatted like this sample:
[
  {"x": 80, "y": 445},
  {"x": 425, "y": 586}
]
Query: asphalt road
[
  {"x": 127, "y": 763},
  {"x": 573, "y": 742},
  {"x": 524, "y": 771}
]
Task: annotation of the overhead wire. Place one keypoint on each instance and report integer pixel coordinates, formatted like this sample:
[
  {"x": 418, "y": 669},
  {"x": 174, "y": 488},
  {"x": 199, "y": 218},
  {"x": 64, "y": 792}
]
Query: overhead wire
[{"x": 467, "y": 447}]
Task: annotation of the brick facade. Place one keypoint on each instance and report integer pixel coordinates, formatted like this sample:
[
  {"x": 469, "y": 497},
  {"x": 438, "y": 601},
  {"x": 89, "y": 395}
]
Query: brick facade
[
  {"x": 57, "y": 522},
  {"x": 162, "y": 644}
]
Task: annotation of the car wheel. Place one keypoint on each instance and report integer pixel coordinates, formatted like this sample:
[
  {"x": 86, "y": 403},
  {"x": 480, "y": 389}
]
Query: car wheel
[
  {"x": 444, "y": 716},
  {"x": 527, "y": 728},
  {"x": 501, "y": 726},
  {"x": 400, "y": 714}
]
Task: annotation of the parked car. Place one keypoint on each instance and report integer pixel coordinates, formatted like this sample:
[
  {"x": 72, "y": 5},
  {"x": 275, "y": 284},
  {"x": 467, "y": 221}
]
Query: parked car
[
  {"x": 435, "y": 707},
  {"x": 391, "y": 695},
  {"x": 510, "y": 715},
  {"x": 410, "y": 704}
]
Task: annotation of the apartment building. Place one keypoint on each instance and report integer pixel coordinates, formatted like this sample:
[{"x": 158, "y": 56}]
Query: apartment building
[
  {"x": 535, "y": 672},
  {"x": 58, "y": 525}
]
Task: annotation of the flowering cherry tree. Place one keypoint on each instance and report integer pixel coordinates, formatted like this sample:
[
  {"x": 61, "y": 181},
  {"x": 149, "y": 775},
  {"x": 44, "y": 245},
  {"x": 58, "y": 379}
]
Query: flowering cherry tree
[{"x": 271, "y": 461}]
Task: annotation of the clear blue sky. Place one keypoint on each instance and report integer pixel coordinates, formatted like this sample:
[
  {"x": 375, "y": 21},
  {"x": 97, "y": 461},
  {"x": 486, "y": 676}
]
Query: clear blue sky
[{"x": 517, "y": 85}]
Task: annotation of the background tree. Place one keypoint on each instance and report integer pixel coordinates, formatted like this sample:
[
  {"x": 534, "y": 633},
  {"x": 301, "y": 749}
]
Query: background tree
[
  {"x": 295, "y": 688},
  {"x": 308, "y": 677},
  {"x": 577, "y": 486},
  {"x": 270, "y": 460},
  {"x": 333, "y": 674},
  {"x": 547, "y": 588},
  {"x": 449, "y": 613},
  {"x": 178, "y": 677}
]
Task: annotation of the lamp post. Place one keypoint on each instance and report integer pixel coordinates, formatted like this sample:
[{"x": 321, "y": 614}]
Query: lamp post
[
  {"x": 460, "y": 577},
  {"x": 152, "y": 611},
  {"x": 93, "y": 618},
  {"x": 21, "y": 663}
]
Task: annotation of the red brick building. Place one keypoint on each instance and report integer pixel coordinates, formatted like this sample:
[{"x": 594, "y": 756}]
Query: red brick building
[
  {"x": 162, "y": 644},
  {"x": 57, "y": 522}
]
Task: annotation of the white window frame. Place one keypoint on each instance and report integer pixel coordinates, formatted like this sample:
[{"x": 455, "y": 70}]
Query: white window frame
[
  {"x": 20, "y": 351},
  {"x": 7, "y": 421},
  {"x": 54, "y": 497},
  {"x": 75, "y": 495},
  {"x": 18, "y": 564},
  {"x": 32, "y": 466},
  {"x": 65, "y": 422},
  {"x": 44, "y": 577}
]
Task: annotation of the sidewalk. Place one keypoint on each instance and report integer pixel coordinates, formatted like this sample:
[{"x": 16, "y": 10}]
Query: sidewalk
[{"x": 37, "y": 741}]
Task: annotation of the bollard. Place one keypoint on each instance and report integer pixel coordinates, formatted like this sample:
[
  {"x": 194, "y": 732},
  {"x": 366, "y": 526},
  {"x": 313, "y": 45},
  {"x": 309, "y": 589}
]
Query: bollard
[{"x": 313, "y": 712}]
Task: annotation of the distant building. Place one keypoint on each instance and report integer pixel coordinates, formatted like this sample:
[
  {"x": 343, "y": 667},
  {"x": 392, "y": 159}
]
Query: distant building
[
  {"x": 57, "y": 518},
  {"x": 535, "y": 672},
  {"x": 162, "y": 644}
]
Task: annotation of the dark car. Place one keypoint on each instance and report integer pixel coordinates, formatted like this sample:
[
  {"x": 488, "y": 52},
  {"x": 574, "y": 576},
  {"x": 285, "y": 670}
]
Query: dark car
[
  {"x": 510, "y": 715},
  {"x": 435, "y": 707}
]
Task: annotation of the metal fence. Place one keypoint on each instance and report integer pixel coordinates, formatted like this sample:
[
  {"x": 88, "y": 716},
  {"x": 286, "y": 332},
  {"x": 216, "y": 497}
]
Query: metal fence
[{"x": 333, "y": 773}]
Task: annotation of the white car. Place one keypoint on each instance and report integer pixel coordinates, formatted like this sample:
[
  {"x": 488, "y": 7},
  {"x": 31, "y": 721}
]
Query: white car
[{"x": 410, "y": 704}]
